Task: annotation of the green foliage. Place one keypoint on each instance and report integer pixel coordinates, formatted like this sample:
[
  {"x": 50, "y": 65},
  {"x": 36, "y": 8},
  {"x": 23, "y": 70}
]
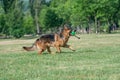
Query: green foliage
[
  {"x": 62, "y": 9},
  {"x": 79, "y": 12},
  {"x": 2, "y": 23},
  {"x": 51, "y": 14},
  {"x": 28, "y": 24},
  {"x": 50, "y": 19},
  {"x": 18, "y": 33},
  {"x": 13, "y": 25}
]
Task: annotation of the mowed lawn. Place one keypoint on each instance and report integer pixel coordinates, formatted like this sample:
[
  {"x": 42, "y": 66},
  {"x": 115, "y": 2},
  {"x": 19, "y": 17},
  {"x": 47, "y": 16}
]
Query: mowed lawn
[{"x": 97, "y": 57}]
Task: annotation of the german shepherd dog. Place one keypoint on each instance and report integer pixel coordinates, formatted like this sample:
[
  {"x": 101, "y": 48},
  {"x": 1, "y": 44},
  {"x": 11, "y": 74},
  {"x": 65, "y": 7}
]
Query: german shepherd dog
[{"x": 52, "y": 40}]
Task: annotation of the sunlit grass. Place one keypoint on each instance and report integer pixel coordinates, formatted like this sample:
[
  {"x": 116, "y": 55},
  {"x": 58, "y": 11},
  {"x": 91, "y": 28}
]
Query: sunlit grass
[{"x": 97, "y": 57}]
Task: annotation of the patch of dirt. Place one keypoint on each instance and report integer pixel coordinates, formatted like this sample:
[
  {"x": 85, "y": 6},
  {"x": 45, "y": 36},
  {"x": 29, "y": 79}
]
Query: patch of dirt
[{"x": 10, "y": 42}]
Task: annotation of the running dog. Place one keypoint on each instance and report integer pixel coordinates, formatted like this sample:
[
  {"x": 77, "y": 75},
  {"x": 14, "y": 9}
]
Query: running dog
[{"x": 52, "y": 40}]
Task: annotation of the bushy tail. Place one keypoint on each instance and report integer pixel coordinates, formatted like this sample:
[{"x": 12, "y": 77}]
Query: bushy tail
[{"x": 32, "y": 48}]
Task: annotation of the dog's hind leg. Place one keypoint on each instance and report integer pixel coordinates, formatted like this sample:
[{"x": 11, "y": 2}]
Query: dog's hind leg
[
  {"x": 40, "y": 51},
  {"x": 48, "y": 49}
]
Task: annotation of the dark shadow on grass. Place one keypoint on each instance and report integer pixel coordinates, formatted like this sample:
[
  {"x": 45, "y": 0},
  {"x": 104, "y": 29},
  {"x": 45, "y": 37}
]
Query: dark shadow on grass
[
  {"x": 46, "y": 53},
  {"x": 67, "y": 52}
]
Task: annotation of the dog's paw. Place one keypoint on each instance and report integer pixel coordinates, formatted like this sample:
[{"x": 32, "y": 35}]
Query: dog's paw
[
  {"x": 58, "y": 51},
  {"x": 74, "y": 50}
]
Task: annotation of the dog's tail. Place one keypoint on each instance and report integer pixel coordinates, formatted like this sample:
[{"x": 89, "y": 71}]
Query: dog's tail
[
  {"x": 32, "y": 48},
  {"x": 28, "y": 48}
]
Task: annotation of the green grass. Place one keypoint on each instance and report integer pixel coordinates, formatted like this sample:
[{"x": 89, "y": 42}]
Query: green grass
[{"x": 97, "y": 57}]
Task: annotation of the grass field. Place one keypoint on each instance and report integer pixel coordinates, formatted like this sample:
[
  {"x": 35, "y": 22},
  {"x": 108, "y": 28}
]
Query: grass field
[{"x": 97, "y": 57}]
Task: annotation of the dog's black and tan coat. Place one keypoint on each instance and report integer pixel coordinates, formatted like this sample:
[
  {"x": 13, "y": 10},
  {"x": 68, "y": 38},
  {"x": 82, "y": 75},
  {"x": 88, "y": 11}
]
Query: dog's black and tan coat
[{"x": 52, "y": 40}]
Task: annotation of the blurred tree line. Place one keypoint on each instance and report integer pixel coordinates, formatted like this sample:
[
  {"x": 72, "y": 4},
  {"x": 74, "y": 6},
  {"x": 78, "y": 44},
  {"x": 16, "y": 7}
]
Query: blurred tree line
[{"x": 20, "y": 17}]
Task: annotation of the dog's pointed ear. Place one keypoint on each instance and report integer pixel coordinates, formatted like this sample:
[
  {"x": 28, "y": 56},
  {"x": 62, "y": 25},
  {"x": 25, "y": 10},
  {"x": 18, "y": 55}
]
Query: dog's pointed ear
[{"x": 65, "y": 27}]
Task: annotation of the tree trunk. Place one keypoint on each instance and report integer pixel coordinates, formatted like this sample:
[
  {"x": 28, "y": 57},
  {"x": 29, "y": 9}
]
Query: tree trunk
[
  {"x": 35, "y": 9},
  {"x": 96, "y": 26},
  {"x": 36, "y": 21}
]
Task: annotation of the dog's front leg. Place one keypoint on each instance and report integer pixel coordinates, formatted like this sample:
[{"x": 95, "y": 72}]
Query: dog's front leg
[
  {"x": 70, "y": 47},
  {"x": 58, "y": 49}
]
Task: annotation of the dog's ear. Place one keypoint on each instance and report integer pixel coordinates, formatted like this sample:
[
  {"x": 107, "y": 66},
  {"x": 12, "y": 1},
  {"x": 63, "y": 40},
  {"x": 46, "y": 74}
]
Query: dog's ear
[{"x": 65, "y": 27}]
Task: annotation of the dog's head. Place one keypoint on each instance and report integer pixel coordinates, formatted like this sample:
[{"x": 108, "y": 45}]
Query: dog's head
[{"x": 66, "y": 30}]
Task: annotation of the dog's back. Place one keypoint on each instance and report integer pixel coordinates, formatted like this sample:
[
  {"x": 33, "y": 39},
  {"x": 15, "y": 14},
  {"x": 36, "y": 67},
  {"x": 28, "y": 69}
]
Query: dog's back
[{"x": 47, "y": 37}]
